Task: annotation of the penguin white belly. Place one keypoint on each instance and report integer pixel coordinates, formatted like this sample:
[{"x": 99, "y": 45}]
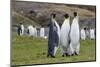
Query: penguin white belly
[
  {"x": 58, "y": 33},
  {"x": 22, "y": 28},
  {"x": 87, "y": 34},
  {"x": 31, "y": 31},
  {"x": 35, "y": 32},
  {"x": 75, "y": 37},
  {"x": 92, "y": 36},
  {"x": 74, "y": 34},
  {"x": 58, "y": 29},
  {"x": 83, "y": 36},
  {"x": 42, "y": 32},
  {"x": 64, "y": 36}
]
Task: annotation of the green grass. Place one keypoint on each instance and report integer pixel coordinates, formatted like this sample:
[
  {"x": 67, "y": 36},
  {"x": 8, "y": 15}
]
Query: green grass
[{"x": 29, "y": 50}]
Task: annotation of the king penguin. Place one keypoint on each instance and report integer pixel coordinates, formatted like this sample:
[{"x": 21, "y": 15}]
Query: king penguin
[
  {"x": 20, "y": 29},
  {"x": 42, "y": 32},
  {"x": 32, "y": 30},
  {"x": 83, "y": 35},
  {"x": 92, "y": 33},
  {"x": 53, "y": 38},
  {"x": 64, "y": 35},
  {"x": 74, "y": 46}
]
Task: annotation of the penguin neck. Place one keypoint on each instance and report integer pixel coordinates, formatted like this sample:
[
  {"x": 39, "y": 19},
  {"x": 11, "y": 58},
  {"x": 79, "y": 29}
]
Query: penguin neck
[
  {"x": 53, "y": 20},
  {"x": 76, "y": 19},
  {"x": 66, "y": 20}
]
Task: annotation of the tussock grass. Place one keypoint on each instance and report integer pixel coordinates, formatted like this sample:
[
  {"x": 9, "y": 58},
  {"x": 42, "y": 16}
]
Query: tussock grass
[{"x": 32, "y": 50}]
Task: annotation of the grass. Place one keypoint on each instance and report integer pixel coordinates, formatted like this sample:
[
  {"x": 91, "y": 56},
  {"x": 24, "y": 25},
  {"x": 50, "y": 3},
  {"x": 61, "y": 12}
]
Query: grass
[{"x": 31, "y": 50}]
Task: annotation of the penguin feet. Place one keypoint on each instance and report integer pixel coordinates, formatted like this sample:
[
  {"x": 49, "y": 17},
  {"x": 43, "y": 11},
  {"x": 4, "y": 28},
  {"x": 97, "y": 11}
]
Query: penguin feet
[
  {"x": 66, "y": 54},
  {"x": 50, "y": 55},
  {"x": 72, "y": 54},
  {"x": 76, "y": 53},
  {"x": 63, "y": 55}
]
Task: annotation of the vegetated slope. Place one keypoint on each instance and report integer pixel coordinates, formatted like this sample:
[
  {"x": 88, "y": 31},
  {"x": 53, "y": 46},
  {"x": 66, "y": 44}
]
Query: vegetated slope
[
  {"x": 40, "y": 12},
  {"x": 18, "y": 18}
]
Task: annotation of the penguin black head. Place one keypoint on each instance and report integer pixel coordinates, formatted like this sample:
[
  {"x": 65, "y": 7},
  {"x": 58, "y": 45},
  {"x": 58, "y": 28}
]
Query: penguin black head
[
  {"x": 53, "y": 15},
  {"x": 66, "y": 15},
  {"x": 21, "y": 23},
  {"x": 33, "y": 26},
  {"x": 75, "y": 14},
  {"x": 85, "y": 28}
]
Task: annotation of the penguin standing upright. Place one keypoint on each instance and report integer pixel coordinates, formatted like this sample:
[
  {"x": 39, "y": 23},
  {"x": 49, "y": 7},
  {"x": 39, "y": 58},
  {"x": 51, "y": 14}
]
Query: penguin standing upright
[
  {"x": 64, "y": 34},
  {"x": 20, "y": 29},
  {"x": 35, "y": 29},
  {"x": 92, "y": 33},
  {"x": 83, "y": 35},
  {"x": 57, "y": 37},
  {"x": 74, "y": 46},
  {"x": 42, "y": 32},
  {"x": 53, "y": 39},
  {"x": 87, "y": 32}
]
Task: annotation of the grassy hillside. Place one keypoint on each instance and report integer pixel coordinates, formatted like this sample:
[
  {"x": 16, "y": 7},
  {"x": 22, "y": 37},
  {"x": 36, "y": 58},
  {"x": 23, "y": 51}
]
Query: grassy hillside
[
  {"x": 18, "y": 18},
  {"x": 40, "y": 12},
  {"x": 29, "y": 50},
  {"x": 47, "y": 8}
]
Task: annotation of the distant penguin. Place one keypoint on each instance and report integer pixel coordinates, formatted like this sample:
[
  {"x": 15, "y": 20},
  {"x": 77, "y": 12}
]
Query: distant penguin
[
  {"x": 74, "y": 46},
  {"x": 83, "y": 35},
  {"x": 64, "y": 34},
  {"x": 46, "y": 32},
  {"x": 92, "y": 34},
  {"x": 53, "y": 38},
  {"x": 31, "y": 30},
  {"x": 42, "y": 32},
  {"x": 87, "y": 32},
  {"x": 20, "y": 29}
]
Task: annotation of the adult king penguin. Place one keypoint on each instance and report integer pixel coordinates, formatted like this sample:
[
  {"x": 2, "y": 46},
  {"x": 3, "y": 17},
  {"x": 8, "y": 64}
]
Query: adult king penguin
[
  {"x": 83, "y": 35},
  {"x": 74, "y": 46},
  {"x": 53, "y": 39},
  {"x": 92, "y": 33},
  {"x": 20, "y": 29},
  {"x": 64, "y": 35},
  {"x": 42, "y": 32},
  {"x": 32, "y": 31}
]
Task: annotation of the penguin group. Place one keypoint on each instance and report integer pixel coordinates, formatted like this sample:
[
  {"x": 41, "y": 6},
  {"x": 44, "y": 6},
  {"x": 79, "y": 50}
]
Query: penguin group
[
  {"x": 67, "y": 38},
  {"x": 31, "y": 31},
  {"x": 87, "y": 33}
]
